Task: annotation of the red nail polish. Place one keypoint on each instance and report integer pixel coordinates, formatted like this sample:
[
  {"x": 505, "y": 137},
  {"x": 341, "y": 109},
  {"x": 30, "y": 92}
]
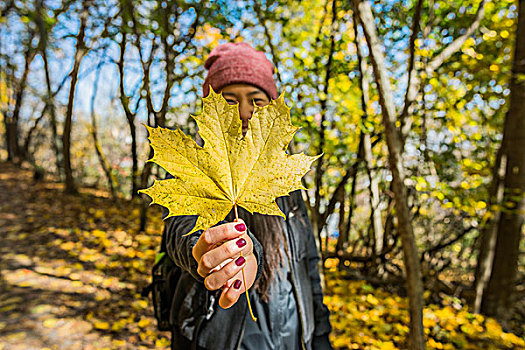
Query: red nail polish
[
  {"x": 240, "y": 260},
  {"x": 240, "y": 243},
  {"x": 240, "y": 227},
  {"x": 237, "y": 284}
]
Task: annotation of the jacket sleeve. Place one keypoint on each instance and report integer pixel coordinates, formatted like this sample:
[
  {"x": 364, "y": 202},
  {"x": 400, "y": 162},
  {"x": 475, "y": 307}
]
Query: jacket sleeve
[
  {"x": 180, "y": 247},
  {"x": 321, "y": 312}
]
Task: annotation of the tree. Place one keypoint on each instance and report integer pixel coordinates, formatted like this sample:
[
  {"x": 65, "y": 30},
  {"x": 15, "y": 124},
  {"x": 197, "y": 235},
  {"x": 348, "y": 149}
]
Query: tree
[
  {"x": 395, "y": 148},
  {"x": 96, "y": 143},
  {"x": 45, "y": 26},
  {"x": 313, "y": 68},
  {"x": 80, "y": 52},
  {"x": 498, "y": 296},
  {"x": 18, "y": 87},
  {"x": 375, "y": 212}
]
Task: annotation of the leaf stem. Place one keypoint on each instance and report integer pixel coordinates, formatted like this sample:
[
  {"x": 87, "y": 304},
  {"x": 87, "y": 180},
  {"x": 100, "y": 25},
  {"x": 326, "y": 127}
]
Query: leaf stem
[{"x": 243, "y": 274}]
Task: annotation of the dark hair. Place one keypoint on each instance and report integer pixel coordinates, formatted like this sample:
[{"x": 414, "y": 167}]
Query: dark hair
[{"x": 269, "y": 231}]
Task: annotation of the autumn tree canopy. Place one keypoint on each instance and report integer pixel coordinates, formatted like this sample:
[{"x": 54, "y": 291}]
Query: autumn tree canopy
[{"x": 414, "y": 106}]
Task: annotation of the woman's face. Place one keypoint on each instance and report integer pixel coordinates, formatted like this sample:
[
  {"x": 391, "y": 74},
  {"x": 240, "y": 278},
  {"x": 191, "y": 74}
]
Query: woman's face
[{"x": 245, "y": 95}]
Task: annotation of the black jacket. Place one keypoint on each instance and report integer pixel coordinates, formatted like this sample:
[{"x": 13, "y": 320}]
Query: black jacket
[{"x": 195, "y": 312}]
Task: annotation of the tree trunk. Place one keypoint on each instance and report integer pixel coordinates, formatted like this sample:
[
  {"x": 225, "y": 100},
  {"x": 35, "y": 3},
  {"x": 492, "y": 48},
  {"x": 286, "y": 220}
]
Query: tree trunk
[
  {"x": 44, "y": 34},
  {"x": 98, "y": 148},
  {"x": 12, "y": 120},
  {"x": 339, "y": 195},
  {"x": 319, "y": 168},
  {"x": 342, "y": 240},
  {"x": 487, "y": 238},
  {"x": 499, "y": 295},
  {"x": 130, "y": 117},
  {"x": 52, "y": 113},
  {"x": 375, "y": 213},
  {"x": 80, "y": 52},
  {"x": 345, "y": 233},
  {"x": 393, "y": 138},
  {"x": 25, "y": 154}
]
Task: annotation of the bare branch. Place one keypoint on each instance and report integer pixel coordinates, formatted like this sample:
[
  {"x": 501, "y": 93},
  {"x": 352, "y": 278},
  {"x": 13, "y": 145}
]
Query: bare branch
[
  {"x": 454, "y": 46},
  {"x": 435, "y": 63},
  {"x": 340, "y": 186},
  {"x": 446, "y": 243},
  {"x": 268, "y": 39},
  {"x": 413, "y": 82}
]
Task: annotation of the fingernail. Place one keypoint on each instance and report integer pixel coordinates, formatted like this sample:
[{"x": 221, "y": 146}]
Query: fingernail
[
  {"x": 237, "y": 284},
  {"x": 240, "y": 227},
  {"x": 240, "y": 243},
  {"x": 240, "y": 260}
]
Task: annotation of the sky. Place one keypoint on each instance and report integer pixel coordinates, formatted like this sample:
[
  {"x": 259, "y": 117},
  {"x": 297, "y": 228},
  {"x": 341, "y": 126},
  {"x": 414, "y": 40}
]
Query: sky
[{"x": 61, "y": 61}]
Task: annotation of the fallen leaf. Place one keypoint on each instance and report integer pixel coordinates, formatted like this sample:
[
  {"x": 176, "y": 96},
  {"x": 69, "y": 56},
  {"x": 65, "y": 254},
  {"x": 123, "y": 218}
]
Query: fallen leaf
[
  {"x": 101, "y": 325},
  {"x": 50, "y": 323}
]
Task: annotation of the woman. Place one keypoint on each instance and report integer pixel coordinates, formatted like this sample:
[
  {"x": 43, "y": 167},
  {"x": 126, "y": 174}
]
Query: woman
[{"x": 279, "y": 256}]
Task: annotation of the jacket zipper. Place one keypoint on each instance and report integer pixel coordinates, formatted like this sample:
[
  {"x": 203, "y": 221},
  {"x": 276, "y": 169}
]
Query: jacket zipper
[{"x": 241, "y": 334}]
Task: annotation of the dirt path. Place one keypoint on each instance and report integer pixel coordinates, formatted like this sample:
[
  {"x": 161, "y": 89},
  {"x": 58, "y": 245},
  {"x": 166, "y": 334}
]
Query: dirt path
[{"x": 71, "y": 268}]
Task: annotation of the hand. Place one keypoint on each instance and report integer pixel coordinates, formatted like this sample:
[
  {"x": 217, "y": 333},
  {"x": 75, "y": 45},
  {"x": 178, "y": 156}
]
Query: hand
[{"x": 218, "y": 254}]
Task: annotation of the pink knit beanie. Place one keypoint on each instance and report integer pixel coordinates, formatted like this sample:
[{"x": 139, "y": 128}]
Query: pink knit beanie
[{"x": 232, "y": 63}]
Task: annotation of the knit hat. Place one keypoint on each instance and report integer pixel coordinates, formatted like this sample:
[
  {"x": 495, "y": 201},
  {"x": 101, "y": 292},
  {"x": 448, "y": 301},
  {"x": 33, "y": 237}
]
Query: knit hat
[{"x": 232, "y": 63}]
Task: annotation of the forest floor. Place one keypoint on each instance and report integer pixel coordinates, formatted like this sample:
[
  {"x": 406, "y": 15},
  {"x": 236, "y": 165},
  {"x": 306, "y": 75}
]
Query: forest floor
[{"x": 72, "y": 268}]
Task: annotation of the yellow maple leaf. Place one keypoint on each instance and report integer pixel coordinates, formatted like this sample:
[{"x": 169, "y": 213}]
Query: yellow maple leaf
[{"x": 250, "y": 171}]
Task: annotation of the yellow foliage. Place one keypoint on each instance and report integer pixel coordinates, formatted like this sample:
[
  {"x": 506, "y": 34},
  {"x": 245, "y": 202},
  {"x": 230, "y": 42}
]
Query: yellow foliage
[
  {"x": 364, "y": 317},
  {"x": 101, "y": 325},
  {"x": 162, "y": 343},
  {"x": 50, "y": 323},
  {"x": 144, "y": 322}
]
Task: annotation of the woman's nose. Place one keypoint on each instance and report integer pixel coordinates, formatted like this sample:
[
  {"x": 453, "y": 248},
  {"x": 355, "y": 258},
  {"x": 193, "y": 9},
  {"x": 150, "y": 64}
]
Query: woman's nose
[{"x": 245, "y": 110}]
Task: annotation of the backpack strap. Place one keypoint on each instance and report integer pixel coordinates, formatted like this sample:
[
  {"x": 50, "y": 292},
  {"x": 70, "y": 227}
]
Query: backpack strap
[
  {"x": 162, "y": 251},
  {"x": 163, "y": 248}
]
